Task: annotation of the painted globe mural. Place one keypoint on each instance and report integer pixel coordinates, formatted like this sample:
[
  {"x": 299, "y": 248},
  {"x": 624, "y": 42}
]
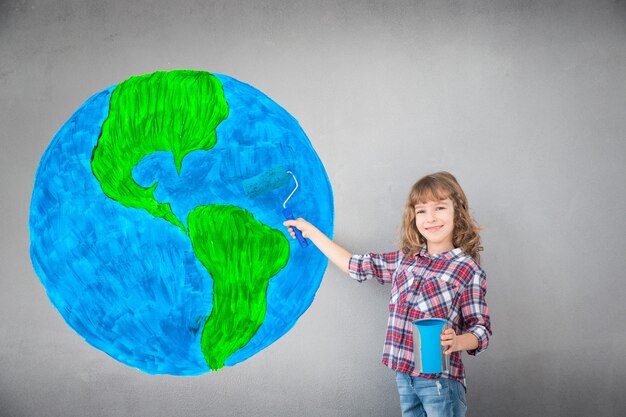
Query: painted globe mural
[{"x": 146, "y": 234}]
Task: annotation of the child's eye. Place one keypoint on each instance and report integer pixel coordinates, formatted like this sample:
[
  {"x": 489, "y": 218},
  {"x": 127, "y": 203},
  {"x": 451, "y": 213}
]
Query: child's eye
[
  {"x": 419, "y": 211},
  {"x": 441, "y": 208}
]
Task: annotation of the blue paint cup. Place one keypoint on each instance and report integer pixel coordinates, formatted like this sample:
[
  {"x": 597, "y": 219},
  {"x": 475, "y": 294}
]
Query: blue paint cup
[{"x": 427, "y": 349}]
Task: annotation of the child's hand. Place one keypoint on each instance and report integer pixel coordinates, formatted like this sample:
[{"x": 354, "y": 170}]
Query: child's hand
[
  {"x": 457, "y": 342},
  {"x": 305, "y": 227},
  {"x": 449, "y": 339}
]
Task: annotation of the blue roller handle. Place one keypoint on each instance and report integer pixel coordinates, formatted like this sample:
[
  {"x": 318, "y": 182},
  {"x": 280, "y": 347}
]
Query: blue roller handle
[{"x": 289, "y": 216}]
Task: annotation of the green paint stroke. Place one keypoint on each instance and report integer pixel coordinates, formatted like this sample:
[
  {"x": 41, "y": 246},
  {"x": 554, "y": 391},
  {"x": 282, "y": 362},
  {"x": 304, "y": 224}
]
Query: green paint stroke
[
  {"x": 241, "y": 254},
  {"x": 178, "y": 111},
  {"x": 175, "y": 111}
]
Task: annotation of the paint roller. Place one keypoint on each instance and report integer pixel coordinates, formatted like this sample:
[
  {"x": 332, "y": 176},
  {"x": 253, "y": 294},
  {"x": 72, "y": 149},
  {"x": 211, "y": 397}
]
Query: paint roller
[{"x": 272, "y": 179}]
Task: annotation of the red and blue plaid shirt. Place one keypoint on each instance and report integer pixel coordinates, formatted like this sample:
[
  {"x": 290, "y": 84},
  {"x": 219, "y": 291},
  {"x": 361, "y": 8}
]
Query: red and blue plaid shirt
[{"x": 449, "y": 285}]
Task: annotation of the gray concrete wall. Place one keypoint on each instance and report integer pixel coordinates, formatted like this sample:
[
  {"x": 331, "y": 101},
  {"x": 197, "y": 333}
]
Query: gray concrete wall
[{"x": 524, "y": 101}]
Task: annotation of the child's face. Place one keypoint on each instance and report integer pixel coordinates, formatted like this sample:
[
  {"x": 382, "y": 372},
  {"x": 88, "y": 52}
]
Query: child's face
[{"x": 435, "y": 221}]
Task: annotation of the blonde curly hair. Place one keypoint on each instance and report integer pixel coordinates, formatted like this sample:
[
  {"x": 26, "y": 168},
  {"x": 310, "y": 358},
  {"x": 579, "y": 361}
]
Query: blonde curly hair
[{"x": 436, "y": 187}]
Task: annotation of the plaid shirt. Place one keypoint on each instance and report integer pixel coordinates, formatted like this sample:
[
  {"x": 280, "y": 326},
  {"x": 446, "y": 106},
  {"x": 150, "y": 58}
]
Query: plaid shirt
[{"x": 449, "y": 285}]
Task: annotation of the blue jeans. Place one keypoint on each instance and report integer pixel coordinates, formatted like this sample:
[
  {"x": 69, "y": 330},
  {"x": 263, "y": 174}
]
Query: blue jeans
[{"x": 423, "y": 397}]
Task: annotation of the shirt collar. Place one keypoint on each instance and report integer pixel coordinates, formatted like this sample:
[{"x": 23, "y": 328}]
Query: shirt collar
[{"x": 447, "y": 255}]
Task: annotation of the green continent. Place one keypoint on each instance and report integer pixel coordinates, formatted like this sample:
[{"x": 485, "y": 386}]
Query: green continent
[
  {"x": 175, "y": 111},
  {"x": 241, "y": 254}
]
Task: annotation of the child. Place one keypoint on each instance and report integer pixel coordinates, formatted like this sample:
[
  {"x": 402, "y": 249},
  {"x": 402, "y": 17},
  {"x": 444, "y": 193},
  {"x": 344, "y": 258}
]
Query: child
[{"x": 434, "y": 274}]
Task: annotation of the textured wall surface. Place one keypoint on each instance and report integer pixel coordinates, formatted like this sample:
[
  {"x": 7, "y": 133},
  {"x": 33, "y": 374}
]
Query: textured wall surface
[{"x": 524, "y": 101}]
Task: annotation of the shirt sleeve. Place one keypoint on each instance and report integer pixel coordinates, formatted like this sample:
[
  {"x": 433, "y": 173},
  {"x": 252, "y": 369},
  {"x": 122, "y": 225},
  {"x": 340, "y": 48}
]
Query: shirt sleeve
[
  {"x": 475, "y": 311},
  {"x": 374, "y": 265}
]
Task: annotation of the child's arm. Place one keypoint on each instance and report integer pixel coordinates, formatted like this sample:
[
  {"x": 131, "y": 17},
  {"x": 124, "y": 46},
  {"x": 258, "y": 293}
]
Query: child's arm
[
  {"x": 335, "y": 253},
  {"x": 476, "y": 319}
]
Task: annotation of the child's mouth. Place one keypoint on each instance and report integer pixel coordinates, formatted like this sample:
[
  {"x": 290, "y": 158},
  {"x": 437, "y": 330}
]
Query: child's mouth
[{"x": 434, "y": 229}]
